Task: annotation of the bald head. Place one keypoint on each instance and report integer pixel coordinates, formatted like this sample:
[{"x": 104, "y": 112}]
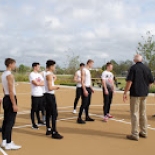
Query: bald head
[{"x": 138, "y": 58}]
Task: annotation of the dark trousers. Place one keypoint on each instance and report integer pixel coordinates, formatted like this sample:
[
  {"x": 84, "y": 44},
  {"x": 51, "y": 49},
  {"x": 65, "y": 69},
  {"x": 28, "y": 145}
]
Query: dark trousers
[
  {"x": 36, "y": 106},
  {"x": 107, "y": 101},
  {"x": 51, "y": 110},
  {"x": 9, "y": 119},
  {"x": 78, "y": 95},
  {"x": 85, "y": 102}
]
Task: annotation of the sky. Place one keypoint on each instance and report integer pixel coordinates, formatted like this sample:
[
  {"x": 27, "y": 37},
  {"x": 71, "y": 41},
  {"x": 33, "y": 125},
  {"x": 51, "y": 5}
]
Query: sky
[{"x": 37, "y": 30}]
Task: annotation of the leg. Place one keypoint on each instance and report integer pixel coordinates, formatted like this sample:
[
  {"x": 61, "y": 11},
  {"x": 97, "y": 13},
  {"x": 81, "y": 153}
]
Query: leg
[
  {"x": 54, "y": 113},
  {"x": 88, "y": 103},
  {"x": 110, "y": 101},
  {"x": 134, "y": 109},
  {"x": 78, "y": 95},
  {"x": 106, "y": 102},
  {"x": 143, "y": 117},
  {"x": 83, "y": 104}
]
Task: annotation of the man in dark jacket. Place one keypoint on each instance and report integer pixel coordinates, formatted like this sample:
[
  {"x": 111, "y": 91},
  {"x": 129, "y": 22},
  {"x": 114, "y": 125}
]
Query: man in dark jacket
[{"x": 138, "y": 82}]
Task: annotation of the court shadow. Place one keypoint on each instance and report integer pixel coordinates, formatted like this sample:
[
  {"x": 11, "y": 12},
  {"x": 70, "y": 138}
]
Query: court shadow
[{"x": 91, "y": 132}]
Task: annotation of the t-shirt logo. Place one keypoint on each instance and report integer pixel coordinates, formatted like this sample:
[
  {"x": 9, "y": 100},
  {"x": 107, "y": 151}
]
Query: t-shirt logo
[{"x": 38, "y": 79}]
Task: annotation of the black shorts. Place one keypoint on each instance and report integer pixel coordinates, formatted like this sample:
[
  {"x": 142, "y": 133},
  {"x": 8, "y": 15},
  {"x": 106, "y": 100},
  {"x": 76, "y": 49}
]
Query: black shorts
[
  {"x": 51, "y": 105},
  {"x": 37, "y": 103}
]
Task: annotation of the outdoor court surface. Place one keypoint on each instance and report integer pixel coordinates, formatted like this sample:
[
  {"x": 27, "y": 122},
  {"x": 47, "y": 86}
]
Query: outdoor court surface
[{"x": 94, "y": 138}]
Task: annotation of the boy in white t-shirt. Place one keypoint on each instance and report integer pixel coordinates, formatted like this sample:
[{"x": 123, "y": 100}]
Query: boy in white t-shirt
[
  {"x": 77, "y": 79},
  {"x": 108, "y": 89},
  {"x": 37, "y": 82}
]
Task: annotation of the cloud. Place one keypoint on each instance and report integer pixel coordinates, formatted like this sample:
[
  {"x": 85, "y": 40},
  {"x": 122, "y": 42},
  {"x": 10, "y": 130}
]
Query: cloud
[{"x": 98, "y": 29}]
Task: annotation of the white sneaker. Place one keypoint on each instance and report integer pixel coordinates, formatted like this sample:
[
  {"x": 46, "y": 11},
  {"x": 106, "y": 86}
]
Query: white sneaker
[
  {"x": 3, "y": 144},
  {"x": 74, "y": 111},
  {"x": 12, "y": 146}
]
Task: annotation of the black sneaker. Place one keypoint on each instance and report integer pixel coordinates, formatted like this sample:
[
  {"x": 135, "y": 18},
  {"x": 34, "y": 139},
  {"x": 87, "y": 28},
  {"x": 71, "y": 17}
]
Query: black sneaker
[
  {"x": 56, "y": 135},
  {"x": 48, "y": 132},
  {"x": 142, "y": 135},
  {"x": 80, "y": 121},
  {"x": 35, "y": 127},
  {"x": 88, "y": 119},
  {"x": 41, "y": 123}
]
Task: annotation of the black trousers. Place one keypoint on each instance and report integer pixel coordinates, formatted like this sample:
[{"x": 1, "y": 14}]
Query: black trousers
[
  {"x": 107, "y": 101},
  {"x": 77, "y": 97},
  {"x": 36, "y": 106},
  {"x": 85, "y": 102},
  {"x": 9, "y": 118},
  {"x": 51, "y": 110}
]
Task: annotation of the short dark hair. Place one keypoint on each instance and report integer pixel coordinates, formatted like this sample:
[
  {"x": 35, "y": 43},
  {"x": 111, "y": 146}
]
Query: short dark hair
[
  {"x": 9, "y": 61},
  {"x": 50, "y": 63},
  {"x": 90, "y": 61},
  {"x": 108, "y": 64},
  {"x": 82, "y": 64},
  {"x": 35, "y": 64}
]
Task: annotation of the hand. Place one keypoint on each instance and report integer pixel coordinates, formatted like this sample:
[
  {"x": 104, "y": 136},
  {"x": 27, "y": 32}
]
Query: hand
[
  {"x": 0, "y": 100},
  {"x": 106, "y": 92},
  {"x": 15, "y": 108},
  {"x": 57, "y": 88},
  {"x": 125, "y": 98},
  {"x": 92, "y": 90},
  {"x": 85, "y": 93}
]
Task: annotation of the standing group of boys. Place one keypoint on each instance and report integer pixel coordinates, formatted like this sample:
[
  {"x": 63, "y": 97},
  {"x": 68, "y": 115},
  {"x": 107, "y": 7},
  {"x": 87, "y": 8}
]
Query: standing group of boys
[
  {"x": 84, "y": 90},
  {"x": 43, "y": 97}
]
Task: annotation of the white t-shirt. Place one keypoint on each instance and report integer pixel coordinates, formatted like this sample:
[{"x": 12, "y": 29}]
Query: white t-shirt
[
  {"x": 46, "y": 85},
  {"x": 108, "y": 77},
  {"x": 78, "y": 74},
  {"x": 36, "y": 91},
  {"x": 5, "y": 83},
  {"x": 87, "y": 78}
]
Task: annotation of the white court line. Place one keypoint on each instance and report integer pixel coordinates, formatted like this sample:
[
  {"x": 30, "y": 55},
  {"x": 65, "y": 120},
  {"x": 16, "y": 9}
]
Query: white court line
[
  {"x": 3, "y": 152},
  {"x": 24, "y": 126},
  {"x": 122, "y": 121}
]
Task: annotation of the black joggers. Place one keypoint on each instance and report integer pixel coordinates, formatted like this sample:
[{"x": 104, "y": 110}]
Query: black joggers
[
  {"x": 107, "y": 101},
  {"x": 85, "y": 102},
  {"x": 9, "y": 118}
]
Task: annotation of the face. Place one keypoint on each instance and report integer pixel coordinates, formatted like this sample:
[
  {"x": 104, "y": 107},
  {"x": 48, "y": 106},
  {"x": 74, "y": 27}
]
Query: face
[
  {"x": 52, "y": 68},
  {"x": 110, "y": 67},
  {"x": 91, "y": 64},
  {"x": 13, "y": 66},
  {"x": 82, "y": 67},
  {"x": 37, "y": 68}
]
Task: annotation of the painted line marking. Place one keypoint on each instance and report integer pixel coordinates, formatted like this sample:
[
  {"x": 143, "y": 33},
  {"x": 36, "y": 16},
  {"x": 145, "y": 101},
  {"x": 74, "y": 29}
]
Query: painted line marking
[
  {"x": 3, "y": 152},
  {"x": 122, "y": 121},
  {"x": 62, "y": 119}
]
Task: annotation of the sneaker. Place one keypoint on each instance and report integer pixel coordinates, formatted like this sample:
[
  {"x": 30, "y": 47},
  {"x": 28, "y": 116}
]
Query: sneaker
[
  {"x": 74, "y": 111},
  {"x": 56, "y": 135},
  {"x": 41, "y": 123},
  {"x": 131, "y": 137},
  {"x": 12, "y": 146},
  {"x": 3, "y": 144},
  {"x": 80, "y": 121},
  {"x": 142, "y": 135},
  {"x": 35, "y": 127},
  {"x": 49, "y": 132},
  {"x": 153, "y": 115},
  {"x": 105, "y": 119},
  {"x": 109, "y": 116},
  {"x": 88, "y": 119}
]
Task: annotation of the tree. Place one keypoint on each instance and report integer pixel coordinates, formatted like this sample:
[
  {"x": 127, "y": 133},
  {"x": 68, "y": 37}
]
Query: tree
[
  {"x": 72, "y": 63},
  {"x": 147, "y": 50},
  {"x": 23, "y": 69}
]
